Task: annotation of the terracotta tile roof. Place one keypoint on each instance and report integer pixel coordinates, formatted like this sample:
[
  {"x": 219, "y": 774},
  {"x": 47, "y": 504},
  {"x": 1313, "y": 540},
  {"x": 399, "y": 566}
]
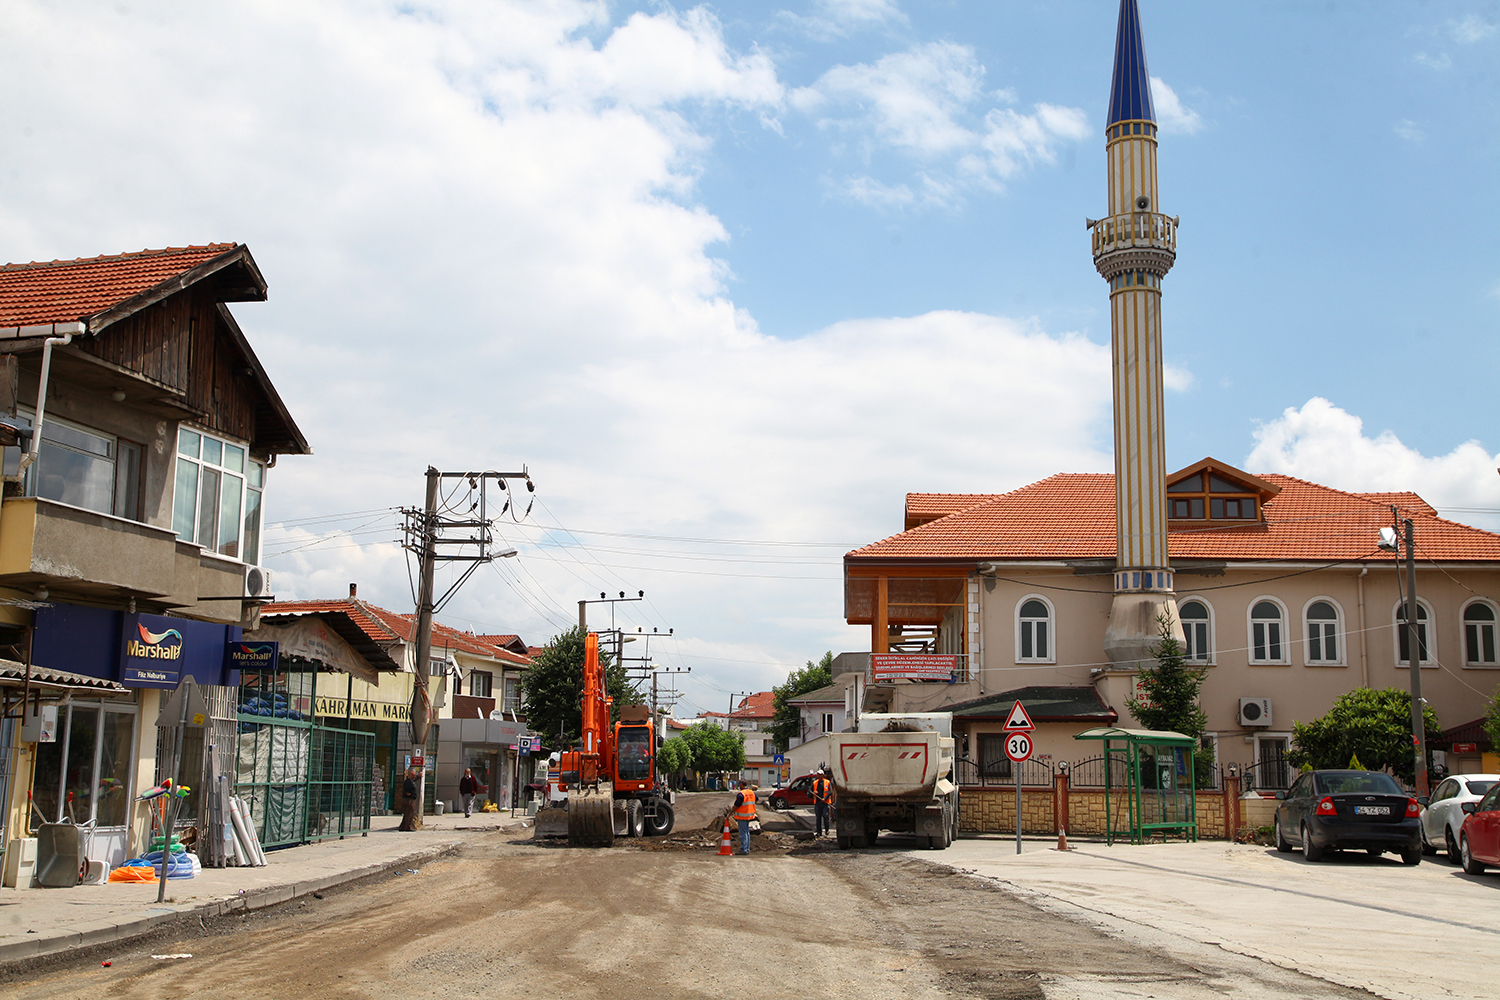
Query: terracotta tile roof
[
  {"x": 62, "y": 291},
  {"x": 760, "y": 705},
  {"x": 388, "y": 626},
  {"x": 1072, "y": 516},
  {"x": 924, "y": 507}
]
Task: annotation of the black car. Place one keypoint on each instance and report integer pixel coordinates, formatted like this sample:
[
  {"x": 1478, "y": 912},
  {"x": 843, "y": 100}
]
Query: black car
[{"x": 1355, "y": 810}]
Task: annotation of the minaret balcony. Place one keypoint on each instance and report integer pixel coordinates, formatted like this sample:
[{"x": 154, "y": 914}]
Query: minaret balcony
[{"x": 1135, "y": 231}]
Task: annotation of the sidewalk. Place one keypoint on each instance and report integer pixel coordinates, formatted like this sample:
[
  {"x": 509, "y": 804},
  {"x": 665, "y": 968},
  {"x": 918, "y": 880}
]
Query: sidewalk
[{"x": 37, "y": 922}]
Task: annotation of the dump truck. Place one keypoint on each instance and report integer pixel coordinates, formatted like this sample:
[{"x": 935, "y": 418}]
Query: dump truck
[
  {"x": 607, "y": 785},
  {"x": 895, "y": 772}
]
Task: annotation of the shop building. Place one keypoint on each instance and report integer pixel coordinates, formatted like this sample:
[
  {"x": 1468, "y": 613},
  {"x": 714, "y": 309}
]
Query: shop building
[{"x": 140, "y": 431}]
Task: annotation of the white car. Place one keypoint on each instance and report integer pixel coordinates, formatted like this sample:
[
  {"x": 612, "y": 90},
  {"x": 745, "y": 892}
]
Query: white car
[{"x": 1444, "y": 815}]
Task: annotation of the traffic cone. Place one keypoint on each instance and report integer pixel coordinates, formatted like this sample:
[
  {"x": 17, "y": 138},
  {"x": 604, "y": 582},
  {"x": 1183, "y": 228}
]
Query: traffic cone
[
  {"x": 726, "y": 848},
  {"x": 1062, "y": 840}
]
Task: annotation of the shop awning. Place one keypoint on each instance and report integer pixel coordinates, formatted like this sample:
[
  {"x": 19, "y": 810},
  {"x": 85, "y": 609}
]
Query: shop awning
[{"x": 13, "y": 675}]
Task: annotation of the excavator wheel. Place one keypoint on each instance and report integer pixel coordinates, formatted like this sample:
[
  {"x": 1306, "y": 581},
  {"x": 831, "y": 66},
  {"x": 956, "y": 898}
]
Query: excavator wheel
[
  {"x": 635, "y": 818},
  {"x": 660, "y": 824},
  {"x": 591, "y": 821}
]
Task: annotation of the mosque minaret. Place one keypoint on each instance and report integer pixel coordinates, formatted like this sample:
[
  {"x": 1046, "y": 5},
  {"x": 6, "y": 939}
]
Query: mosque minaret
[{"x": 1134, "y": 248}]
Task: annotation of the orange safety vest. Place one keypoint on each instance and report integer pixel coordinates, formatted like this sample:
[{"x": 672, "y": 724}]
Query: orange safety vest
[
  {"x": 822, "y": 790},
  {"x": 746, "y": 808}
]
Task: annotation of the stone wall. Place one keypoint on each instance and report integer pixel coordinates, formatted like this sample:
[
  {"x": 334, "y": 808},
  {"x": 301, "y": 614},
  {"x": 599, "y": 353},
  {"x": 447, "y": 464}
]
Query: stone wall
[{"x": 993, "y": 810}]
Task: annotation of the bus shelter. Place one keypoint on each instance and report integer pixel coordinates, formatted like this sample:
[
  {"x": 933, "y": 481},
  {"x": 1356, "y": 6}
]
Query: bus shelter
[{"x": 1156, "y": 767}]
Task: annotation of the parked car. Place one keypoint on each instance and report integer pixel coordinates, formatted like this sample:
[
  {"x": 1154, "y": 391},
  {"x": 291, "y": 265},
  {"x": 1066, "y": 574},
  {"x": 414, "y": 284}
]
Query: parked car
[
  {"x": 797, "y": 793},
  {"x": 1355, "y": 810},
  {"x": 1444, "y": 814},
  {"x": 1479, "y": 837}
]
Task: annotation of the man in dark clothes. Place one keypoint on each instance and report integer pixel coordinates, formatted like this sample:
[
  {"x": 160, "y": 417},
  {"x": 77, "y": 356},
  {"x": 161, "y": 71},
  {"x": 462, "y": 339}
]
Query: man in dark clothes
[
  {"x": 409, "y": 800},
  {"x": 468, "y": 787}
]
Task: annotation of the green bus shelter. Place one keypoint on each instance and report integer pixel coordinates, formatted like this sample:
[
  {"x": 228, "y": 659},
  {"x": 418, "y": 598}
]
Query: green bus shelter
[{"x": 1158, "y": 782}]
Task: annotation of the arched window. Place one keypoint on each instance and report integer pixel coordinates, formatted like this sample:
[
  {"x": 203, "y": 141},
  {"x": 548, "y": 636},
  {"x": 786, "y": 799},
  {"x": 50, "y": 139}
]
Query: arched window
[
  {"x": 1403, "y": 636},
  {"x": 1323, "y": 633},
  {"x": 1198, "y": 645},
  {"x": 1034, "y": 631},
  {"x": 1479, "y": 635},
  {"x": 1267, "y": 627}
]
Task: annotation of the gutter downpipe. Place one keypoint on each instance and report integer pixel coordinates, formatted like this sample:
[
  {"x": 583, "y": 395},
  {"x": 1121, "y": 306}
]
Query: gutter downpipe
[
  {"x": 1364, "y": 659},
  {"x": 41, "y": 389}
]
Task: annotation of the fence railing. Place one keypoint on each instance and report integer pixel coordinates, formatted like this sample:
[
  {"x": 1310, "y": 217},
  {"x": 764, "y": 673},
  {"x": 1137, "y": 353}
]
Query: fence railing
[
  {"x": 1002, "y": 773},
  {"x": 1273, "y": 774}
]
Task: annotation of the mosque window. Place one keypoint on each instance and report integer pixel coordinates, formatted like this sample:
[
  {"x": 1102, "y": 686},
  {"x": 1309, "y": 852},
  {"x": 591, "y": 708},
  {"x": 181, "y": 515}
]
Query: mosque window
[{"x": 1208, "y": 496}]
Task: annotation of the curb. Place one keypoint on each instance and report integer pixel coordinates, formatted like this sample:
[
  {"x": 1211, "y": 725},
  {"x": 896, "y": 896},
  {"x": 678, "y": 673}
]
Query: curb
[{"x": 116, "y": 932}]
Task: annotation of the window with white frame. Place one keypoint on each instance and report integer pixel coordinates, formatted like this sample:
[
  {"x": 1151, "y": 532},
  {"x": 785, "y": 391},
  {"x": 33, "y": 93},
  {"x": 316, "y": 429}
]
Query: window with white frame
[
  {"x": 1196, "y": 631},
  {"x": 85, "y": 468},
  {"x": 1479, "y": 635},
  {"x": 1323, "y": 644},
  {"x": 1403, "y": 635},
  {"x": 827, "y": 722},
  {"x": 512, "y": 695},
  {"x": 1267, "y": 628},
  {"x": 480, "y": 683},
  {"x": 216, "y": 500},
  {"x": 1034, "y": 631}
]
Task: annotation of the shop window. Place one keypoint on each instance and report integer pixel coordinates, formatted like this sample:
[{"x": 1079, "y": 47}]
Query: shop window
[
  {"x": 1479, "y": 635},
  {"x": 85, "y": 774},
  {"x": 217, "y": 495}
]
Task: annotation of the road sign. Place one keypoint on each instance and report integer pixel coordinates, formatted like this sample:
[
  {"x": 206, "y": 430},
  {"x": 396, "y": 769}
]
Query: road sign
[
  {"x": 526, "y": 744},
  {"x": 1018, "y": 747},
  {"x": 779, "y": 758},
  {"x": 1018, "y": 720},
  {"x": 172, "y": 714}
]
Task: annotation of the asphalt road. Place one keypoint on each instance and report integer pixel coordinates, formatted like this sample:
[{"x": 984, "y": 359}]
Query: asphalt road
[{"x": 506, "y": 917}]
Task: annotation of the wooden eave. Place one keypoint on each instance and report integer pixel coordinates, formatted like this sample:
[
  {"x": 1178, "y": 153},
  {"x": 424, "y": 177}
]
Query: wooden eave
[
  {"x": 881, "y": 566},
  {"x": 1252, "y": 484},
  {"x": 275, "y": 430},
  {"x": 237, "y": 279}
]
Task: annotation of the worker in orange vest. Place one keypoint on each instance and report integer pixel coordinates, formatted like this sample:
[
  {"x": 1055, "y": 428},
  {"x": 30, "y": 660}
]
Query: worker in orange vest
[
  {"x": 822, "y": 794},
  {"x": 744, "y": 813}
]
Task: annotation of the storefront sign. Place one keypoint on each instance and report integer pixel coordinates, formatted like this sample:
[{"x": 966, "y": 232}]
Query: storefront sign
[
  {"x": 912, "y": 667},
  {"x": 251, "y": 655},
  {"x": 340, "y": 697},
  {"x": 312, "y": 639},
  {"x": 159, "y": 652},
  {"x": 1466, "y": 748}
]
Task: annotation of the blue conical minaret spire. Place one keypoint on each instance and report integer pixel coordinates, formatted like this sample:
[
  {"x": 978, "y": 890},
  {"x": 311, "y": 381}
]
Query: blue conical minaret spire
[
  {"x": 1130, "y": 91},
  {"x": 1134, "y": 248}
]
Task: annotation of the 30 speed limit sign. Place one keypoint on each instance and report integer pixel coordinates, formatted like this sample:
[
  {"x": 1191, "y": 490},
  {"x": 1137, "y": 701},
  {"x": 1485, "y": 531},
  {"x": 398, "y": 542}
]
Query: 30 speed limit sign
[{"x": 1018, "y": 747}]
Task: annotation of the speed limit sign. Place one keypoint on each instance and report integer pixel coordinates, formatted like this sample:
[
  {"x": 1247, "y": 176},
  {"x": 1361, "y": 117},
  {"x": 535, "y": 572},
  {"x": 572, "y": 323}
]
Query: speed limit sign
[{"x": 1018, "y": 747}]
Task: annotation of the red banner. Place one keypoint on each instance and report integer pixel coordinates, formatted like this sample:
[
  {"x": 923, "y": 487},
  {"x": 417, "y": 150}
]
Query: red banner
[{"x": 912, "y": 667}]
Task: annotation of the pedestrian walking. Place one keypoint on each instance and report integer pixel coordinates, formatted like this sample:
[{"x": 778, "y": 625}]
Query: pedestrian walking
[
  {"x": 409, "y": 800},
  {"x": 744, "y": 814},
  {"x": 468, "y": 787},
  {"x": 822, "y": 793}
]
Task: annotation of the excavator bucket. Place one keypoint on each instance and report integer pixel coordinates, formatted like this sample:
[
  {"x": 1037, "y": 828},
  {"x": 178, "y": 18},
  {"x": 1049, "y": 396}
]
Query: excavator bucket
[{"x": 591, "y": 821}]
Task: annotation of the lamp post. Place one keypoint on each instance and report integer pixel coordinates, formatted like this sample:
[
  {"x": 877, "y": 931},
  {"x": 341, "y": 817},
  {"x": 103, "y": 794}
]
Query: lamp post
[{"x": 1391, "y": 542}]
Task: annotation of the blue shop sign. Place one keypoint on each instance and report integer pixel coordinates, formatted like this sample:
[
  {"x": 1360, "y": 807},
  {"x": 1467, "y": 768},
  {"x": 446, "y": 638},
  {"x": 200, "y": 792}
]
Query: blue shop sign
[
  {"x": 138, "y": 650},
  {"x": 252, "y": 655}
]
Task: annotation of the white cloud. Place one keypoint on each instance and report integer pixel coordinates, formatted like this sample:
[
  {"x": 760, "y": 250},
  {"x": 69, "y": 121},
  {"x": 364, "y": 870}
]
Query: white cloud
[
  {"x": 924, "y": 103},
  {"x": 1177, "y": 379},
  {"x": 484, "y": 249},
  {"x": 1170, "y": 114},
  {"x": 1441, "y": 61},
  {"x": 1409, "y": 131},
  {"x": 840, "y": 18},
  {"x": 1325, "y": 444},
  {"x": 1471, "y": 29}
]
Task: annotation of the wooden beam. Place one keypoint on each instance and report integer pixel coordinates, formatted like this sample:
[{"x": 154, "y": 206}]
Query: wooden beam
[{"x": 880, "y": 629}]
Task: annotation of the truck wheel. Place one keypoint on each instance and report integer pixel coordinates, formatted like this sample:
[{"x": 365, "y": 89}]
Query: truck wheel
[
  {"x": 845, "y": 843},
  {"x": 944, "y": 838},
  {"x": 870, "y": 838},
  {"x": 635, "y": 818},
  {"x": 660, "y": 824}
]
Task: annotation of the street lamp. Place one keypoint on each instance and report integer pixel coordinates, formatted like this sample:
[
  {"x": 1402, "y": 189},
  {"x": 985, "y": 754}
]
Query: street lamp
[{"x": 1390, "y": 541}]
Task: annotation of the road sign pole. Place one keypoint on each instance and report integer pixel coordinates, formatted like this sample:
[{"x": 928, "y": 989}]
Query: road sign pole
[{"x": 1018, "y": 808}]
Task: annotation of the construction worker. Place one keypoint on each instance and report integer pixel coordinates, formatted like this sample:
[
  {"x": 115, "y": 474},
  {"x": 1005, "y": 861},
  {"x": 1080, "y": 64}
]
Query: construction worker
[
  {"x": 744, "y": 814},
  {"x": 822, "y": 793}
]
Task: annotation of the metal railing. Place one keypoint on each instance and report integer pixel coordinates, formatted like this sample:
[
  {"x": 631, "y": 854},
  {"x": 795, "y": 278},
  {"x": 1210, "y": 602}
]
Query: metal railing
[
  {"x": 1134, "y": 230},
  {"x": 1089, "y": 772},
  {"x": 1274, "y": 773},
  {"x": 1002, "y": 773}
]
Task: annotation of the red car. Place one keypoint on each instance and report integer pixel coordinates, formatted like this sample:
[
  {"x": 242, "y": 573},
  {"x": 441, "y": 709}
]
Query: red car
[
  {"x": 798, "y": 793},
  {"x": 1479, "y": 838}
]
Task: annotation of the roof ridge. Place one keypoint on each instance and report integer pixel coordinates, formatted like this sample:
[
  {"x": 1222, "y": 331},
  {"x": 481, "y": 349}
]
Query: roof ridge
[{"x": 125, "y": 255}]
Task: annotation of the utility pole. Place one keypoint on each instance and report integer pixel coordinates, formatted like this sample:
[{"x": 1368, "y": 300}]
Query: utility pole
[
  {"x": 1414, "y": 648},
  {"x": 424, "y": 533}
]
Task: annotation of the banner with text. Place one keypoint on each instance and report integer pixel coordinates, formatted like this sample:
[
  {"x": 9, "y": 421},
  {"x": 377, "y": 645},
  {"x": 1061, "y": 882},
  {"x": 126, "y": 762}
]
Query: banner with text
[{"x": 912, "y": 667}]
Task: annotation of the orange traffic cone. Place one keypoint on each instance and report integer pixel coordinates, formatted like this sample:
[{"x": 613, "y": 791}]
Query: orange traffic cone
[
  {"x": 726, "y": 847},
  {"x": 1062, "y": 840}
]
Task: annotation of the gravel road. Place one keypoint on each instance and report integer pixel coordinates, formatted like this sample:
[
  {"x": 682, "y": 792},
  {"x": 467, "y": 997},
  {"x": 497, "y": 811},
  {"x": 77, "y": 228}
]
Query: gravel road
[{"x": 505, "y": 917}]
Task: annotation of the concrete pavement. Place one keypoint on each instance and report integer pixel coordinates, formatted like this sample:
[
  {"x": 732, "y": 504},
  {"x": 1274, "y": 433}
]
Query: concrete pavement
[
  {"x": 38, "y": 922},
  {"x": 1370, "y": 923}
]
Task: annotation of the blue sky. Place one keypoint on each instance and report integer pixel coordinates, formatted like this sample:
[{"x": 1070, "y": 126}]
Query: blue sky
[{"x": 732, "y": 280}]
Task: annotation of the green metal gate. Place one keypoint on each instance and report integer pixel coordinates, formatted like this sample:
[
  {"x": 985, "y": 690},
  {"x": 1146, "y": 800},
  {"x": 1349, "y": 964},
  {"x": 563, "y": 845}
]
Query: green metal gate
[{"x": 304, "y": 781}]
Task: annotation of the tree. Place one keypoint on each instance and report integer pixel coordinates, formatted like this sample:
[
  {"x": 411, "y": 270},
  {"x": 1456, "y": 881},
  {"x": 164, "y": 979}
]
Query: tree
[
  {"x": 1373, "y": 725},
  {"x": 1168, "y": 697},
  {"x": 552, "y": 690},
  {"x": 674, "y": 756},
  {"x": 713, "y": 749},
  {"x": 1492, "y": 723},
  {"x": 786, "y": 724}
]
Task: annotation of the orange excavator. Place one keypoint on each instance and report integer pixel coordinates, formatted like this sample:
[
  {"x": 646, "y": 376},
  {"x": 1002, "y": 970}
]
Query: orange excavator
[{"x": 609, "y": 778}]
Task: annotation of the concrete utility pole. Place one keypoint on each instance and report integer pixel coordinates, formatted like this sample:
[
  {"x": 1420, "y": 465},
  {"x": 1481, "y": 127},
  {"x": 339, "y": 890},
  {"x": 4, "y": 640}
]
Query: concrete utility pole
[
  {"x": 1414, "y": 649},
  {"x": 427, "y": 527}
]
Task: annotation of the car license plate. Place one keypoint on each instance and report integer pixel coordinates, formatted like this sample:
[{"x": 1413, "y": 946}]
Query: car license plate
[{"x": 1372, "y": 810}]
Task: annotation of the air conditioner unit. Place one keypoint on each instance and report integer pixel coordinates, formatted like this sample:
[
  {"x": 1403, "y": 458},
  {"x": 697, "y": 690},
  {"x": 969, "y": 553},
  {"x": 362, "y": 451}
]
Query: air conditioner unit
[
  {"x": 1255, "y": 711},
  {"x": 257, "y": 581}
]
